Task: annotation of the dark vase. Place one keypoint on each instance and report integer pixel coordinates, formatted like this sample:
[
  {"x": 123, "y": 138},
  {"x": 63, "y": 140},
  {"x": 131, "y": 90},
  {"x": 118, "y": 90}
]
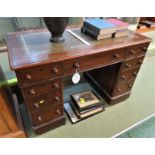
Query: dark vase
[{"x": 56, "y": 26}]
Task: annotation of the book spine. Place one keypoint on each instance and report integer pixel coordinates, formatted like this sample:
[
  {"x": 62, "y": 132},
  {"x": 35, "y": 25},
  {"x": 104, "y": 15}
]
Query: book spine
[
  {"x": 91, "y": 27},
  {"x": 89, "y": 32},
  {"x": 91, "y": 106}
]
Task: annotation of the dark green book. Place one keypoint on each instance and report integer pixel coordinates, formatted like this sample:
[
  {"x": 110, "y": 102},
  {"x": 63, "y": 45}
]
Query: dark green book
[{"x": 95, "y": 35}]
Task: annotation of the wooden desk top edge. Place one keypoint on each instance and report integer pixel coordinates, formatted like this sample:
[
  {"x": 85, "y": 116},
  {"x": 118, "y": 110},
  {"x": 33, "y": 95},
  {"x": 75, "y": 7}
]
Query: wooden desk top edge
[{"x": 66, "y": 55}]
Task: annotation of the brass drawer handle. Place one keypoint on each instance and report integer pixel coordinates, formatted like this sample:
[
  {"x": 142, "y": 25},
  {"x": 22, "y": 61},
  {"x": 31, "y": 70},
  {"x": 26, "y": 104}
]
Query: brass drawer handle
[
  {"x": 42, "y": 102},
  {"x": 32, "y": 92},
  {"x": 57, "y": 98},
  {"x": 130, "y": 85},
  {"x": 28, "y": 77},
  {"x": 132, "y": 52},
  {"x": 58, "y": 111},
  {"x": 36, "y": 105},
  {"x": 134, "y": 73},
  {"x": 123, "y": 77},
  {"x": 55, "y": 70},
  {"x": 119, "y": 90},
  {"x": 76, "y": 65},
  {"x": 116, "y": 55},
  {"x": 39, "y": 118},
  {"x": 127, "y": 65},
  {"x": 55, "y": 85}
]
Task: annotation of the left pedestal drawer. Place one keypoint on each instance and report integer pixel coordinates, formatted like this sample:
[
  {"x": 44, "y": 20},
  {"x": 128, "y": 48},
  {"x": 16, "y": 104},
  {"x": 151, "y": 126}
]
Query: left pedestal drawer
[{"x": 49, "y": 114}]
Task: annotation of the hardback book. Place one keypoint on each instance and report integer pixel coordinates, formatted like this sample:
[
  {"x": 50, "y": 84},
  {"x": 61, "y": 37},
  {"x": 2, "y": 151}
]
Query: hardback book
[
  {"x": 120, "y": 25},
  {"x": 95, "y": 35},
  {"x": 85, "y": 110},
  {"x": 99, "y": 26},
  {"x": 85, "y": 100},
  {"x": 121, "y": 33},
  {"x": 148, "y": 23},
  {"x": 87, "y": 113}
]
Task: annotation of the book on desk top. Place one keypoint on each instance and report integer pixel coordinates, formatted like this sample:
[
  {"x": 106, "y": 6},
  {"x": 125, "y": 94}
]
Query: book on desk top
[
  {"x": 99, "y": 26},
  {"x": 148, "y": 23},
  {"x": 121, "y": 33},
  {"x": 95, "y": 35},
  {"x": 119, "y": 24}
]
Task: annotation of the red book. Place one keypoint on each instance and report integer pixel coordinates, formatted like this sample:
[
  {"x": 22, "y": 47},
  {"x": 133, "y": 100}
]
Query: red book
[{"x": 119, "y": 24}]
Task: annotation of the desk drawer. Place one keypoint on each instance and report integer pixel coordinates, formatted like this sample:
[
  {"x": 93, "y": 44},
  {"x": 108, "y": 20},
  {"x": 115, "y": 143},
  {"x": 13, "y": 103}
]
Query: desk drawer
[
  {"x": 128, "y": 75},
  {"x": 122, "y": 88},
  {"x": 43, "y": 101},
  {"x": 47, "y": 115},
  {"x": 137, "y": 50},
  {"x": 93, "y": 61},
  {"x": 43, "y": 88},
  {"x": 132, "y": 63},
  {"x": 38, "y": 74}
]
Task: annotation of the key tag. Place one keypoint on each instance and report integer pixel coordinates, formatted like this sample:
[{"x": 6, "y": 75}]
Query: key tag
[{"x": 76, "y": 77}]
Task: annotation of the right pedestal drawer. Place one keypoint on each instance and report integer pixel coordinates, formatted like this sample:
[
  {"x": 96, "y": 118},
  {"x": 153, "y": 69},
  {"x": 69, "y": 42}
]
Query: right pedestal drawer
[{"x": 122, "y": 88}]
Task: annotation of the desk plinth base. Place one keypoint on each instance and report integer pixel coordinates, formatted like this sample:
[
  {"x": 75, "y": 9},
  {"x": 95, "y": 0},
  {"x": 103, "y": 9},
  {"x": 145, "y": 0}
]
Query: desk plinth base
[
  {"x": 40, "y": 129},
  {"x": 109, "y": 99},
  {"x": 114, "y": 100}
]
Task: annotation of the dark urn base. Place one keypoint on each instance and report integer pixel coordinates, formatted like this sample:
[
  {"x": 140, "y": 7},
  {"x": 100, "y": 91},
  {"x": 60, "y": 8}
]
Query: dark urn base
[
  {"x": 57, "y": 39},
  {"x": 56, "y": 26}
]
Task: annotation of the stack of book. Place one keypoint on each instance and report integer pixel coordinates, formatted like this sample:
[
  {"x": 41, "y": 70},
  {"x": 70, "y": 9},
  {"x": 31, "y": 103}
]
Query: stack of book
[
  {"x": 105, "y": 28},
  {"x": 121, "y": 27},
  {"x": 98, "y": 28},
  {"x": 148, "y": 23},
  {"x": 86, "y": 104}
]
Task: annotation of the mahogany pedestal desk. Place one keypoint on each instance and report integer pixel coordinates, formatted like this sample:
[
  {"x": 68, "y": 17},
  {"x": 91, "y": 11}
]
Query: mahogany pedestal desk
[{"x": 110, "y": 65}]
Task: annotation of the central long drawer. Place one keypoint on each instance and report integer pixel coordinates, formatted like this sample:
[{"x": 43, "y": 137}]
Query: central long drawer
[{"x": 93, "y": 61}]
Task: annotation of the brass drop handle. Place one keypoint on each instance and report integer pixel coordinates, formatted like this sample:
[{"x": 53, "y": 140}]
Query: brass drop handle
[
  {"x": 130, "y": 85},
  {"x": 123, "y": 77},
  {"x": 116, "y": 55},
  {"x": 28, "y": 77},
  {"x": 76, "y": 65},
  {"x": 132, "y": 52},
  {"x": 55, "y": 70},
  {"x": 36, "y": 105},
  {"x": 57, "y": 98},
  {"x": 144, "y": 49},
  {"x": 127, "y": 65},
  {"x": 39, "y": 118},
  {"x": 32, "y": 92},
  {"x": 134, "y": 73},
  {"x": 119, "y": 90},
  {"x": 55, "y": 85},
  {"x": 58, "y": 111}
]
